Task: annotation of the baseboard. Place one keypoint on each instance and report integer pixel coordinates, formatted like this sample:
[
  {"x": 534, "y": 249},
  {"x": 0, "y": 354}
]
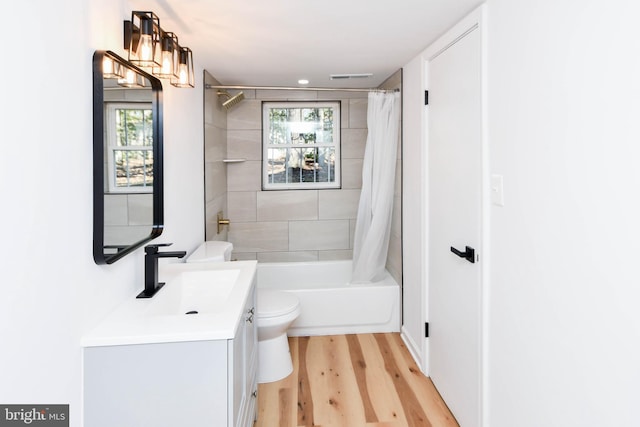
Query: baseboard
[{"x": 414, "y": 349}]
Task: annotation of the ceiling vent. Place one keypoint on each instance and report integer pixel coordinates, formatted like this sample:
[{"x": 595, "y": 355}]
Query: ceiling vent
[{"x": 350, "y": 76}]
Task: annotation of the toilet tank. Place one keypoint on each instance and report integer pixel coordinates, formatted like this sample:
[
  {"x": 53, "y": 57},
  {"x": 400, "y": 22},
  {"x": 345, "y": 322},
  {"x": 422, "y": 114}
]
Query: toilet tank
[{"x": 212, "y": 251}]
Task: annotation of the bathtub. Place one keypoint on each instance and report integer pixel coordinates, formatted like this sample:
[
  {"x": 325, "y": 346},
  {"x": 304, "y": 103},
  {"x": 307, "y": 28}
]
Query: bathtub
[{"x": 329, "y": 304}]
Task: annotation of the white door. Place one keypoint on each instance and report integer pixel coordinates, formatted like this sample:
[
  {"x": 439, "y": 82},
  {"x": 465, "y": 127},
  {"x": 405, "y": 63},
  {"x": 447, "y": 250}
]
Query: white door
[{"x": 455, "y": 175}]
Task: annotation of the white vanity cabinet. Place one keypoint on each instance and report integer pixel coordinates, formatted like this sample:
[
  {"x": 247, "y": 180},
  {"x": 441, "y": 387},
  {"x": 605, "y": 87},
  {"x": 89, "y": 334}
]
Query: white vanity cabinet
[
  {"x": 193, "y": 382},
  {"x": 243, "y": 362}
]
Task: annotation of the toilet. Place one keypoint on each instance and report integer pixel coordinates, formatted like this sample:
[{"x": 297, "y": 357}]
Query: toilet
[
  {"x": 212, "y": 251},
  {"x": 276, "y": 311}
]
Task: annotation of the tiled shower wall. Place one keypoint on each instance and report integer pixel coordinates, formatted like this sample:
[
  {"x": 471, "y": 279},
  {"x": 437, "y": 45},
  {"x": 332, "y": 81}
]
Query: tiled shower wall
[
  {"x": 291, "y": 225},
  {"x": 215, "y": 150}
]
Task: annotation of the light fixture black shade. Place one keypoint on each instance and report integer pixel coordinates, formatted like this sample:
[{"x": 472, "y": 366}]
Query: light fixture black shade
[
  {"x": 143, "y": 39},
  {"x": 170, "y": 50},
  {"x": 157, "y": 51},
  {"x": 185, "y": 76}
]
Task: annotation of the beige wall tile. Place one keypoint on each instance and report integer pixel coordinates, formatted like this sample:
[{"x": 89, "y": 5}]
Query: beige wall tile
[
  {"x": 259, "y": 236},
  {"x": 212, "y": 207},
  {"x": 241, "y": 206},
  {"x": 287, "y": 205},
  {"x": 358, "y": 113},
  {"x": 333, "y": 95},
  {"x": 353, "y": 143},
  {"x": 244, "y": 144},
  {"x": 242, "y": 256},
  {"x": 286, "y": 95},
  {"x": 214, "y": 113},
  {"x": 249, "y": 93},
  {"x": 351, "y": 173},
  {"x": 335, "y": 255},
  {"x": 244, "y": 176},
  {"x": 318, "y": 235},
  {"x": 338, "y": 204},
  {"x": 299, "y": 256},
  {"x": 215, "y": 178},
  {"x": 344, "y": 113},
  {"x": 394, "y": 81},
  {"x": 245, "y": 115},
  {"x": 352, "y": 232},
  {"x": 215, "y": 147}
]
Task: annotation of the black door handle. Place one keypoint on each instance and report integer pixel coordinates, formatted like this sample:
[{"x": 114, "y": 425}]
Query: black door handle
[{"x": 469, "y": 254}]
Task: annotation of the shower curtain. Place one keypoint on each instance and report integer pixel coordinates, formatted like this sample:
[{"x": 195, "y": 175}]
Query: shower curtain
[{"x": 373, "y": 224}]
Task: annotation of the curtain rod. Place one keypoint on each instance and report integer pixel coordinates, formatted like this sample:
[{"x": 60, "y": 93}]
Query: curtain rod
[{"x": 208, "y": 86}]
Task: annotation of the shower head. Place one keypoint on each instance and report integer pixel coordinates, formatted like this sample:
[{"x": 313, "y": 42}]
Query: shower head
[{"x": 231, "y": 100}]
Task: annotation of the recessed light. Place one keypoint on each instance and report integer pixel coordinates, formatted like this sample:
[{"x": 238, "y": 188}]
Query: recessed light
[{"x": 303, "y": 82}]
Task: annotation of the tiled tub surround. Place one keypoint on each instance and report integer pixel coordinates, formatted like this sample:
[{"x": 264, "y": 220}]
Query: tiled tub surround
[
  {"x": 215, "y": 151},
  {"x": 292, "y": 225}
]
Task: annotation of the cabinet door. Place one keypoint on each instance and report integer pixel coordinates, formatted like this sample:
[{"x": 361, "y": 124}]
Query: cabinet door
[
  {"x": 251, "y": 358},
  {"x": 236, "y": 375},
  {"x": 244, "y": 361}
]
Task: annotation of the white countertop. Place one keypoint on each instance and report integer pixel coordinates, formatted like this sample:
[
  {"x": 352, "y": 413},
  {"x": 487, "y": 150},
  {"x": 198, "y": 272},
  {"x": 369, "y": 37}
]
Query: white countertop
[{"x": 139, "y": 321}]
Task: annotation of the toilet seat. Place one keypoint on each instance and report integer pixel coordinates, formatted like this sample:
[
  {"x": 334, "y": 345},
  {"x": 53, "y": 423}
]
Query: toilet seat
[{"x": 272, "y": 303}]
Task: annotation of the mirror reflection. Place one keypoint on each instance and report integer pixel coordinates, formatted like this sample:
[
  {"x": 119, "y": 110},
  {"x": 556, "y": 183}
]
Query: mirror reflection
[{"x": 127, "y": 158}]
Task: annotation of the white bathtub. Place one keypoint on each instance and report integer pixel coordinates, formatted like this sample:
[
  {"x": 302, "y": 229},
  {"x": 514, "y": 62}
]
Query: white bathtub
[{"x": 329, "y": 304}]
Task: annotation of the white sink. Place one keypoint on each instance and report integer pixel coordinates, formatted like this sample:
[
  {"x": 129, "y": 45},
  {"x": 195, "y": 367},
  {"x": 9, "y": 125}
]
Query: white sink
[
  {"x": 214, "y": 295},
  {"x": 195, "y": 292}
]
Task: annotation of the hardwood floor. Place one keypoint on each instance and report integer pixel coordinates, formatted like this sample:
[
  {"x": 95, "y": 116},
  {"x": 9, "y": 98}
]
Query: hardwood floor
[{"x": 365, "y": 380}]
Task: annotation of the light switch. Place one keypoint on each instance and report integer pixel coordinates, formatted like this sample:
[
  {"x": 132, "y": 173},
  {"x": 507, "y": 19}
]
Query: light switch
[{"x": 497, "y": 193}]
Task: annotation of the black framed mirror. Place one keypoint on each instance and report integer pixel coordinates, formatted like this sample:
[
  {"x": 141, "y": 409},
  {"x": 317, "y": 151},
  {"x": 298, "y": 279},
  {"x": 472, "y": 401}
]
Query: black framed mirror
[{"x": 127, "y": 157}]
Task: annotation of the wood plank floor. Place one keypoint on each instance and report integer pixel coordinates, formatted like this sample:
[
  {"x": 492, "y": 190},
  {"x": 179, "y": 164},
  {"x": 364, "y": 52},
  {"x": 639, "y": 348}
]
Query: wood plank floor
[{"x": 364, "y": 380}]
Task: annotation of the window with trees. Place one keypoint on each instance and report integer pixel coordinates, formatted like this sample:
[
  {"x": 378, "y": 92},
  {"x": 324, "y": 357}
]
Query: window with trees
[
  {"x": 301, "y": 145},
  {"x": 129, "y": 128}
]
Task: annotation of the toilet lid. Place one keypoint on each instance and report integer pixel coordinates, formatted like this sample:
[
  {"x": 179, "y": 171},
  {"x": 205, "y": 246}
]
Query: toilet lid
[
  {"x": 273, "y": 303},
  {"x": 211, "y": 251}
]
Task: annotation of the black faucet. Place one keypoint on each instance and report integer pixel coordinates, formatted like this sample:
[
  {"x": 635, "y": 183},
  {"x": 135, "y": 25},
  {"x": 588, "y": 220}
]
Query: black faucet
[{"x": 151, "y": 285}]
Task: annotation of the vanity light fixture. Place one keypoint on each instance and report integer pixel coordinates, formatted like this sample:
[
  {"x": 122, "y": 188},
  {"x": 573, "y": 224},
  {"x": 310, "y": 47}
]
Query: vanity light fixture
[
  {"x": 185, "y": 76},
  {"x": 169, "y": 60},
  {"x": 157, "y": 51},
  {"x": 143, "y": 38}
]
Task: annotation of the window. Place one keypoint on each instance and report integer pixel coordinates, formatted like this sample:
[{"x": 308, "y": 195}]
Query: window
[
  {"x": 301, "y": 145},
  {"x": 129, "y": 128}
]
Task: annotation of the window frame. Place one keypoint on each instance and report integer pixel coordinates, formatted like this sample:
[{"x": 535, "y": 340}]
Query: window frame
[
  {"x": 111, "y": 146},
  {"x": 336, "y": 145}
]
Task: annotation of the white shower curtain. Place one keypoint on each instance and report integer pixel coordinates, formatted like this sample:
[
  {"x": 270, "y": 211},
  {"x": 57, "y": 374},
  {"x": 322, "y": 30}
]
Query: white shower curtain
[{"x": 373, "y": 226}]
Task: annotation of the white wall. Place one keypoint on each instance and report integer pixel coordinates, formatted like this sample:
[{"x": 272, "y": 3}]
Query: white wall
[
  {"x": 51, "y": 290},
  {"x": 564, "y": 124},
  {"x": 563, "y": 338}
]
